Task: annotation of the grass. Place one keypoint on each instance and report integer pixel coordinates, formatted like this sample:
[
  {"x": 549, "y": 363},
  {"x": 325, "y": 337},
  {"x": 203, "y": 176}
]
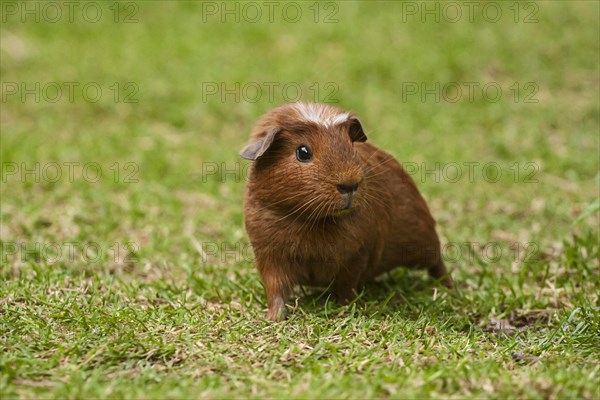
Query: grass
[{"x": 140, "y": 283}]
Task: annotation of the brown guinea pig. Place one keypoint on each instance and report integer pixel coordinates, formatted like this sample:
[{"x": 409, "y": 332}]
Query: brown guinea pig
[{"x": 322, "y": 207}]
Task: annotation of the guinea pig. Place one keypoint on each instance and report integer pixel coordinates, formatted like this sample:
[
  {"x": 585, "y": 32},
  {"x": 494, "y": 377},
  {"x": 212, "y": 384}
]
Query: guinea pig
[{"x": 323, "y": 207}]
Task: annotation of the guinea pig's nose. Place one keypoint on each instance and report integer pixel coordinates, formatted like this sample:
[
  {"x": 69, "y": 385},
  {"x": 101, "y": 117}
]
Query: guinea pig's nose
[{"x": 346, "y": 188}]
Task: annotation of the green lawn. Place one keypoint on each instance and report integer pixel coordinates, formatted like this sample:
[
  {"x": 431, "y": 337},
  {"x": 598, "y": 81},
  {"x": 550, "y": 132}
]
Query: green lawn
[{"x": 125, "y": 268}]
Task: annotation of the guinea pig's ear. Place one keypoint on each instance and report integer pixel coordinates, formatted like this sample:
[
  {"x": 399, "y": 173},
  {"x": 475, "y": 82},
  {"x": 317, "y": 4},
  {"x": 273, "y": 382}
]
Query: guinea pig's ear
[
  {"x": 355, "y": 130},
  {"x": 258, "y": 148}
]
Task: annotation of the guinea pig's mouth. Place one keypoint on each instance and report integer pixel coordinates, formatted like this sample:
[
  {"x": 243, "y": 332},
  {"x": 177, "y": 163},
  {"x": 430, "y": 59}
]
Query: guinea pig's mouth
[
  {"x": 346, "y": 208},
  {"x": 341, "y": 212}
]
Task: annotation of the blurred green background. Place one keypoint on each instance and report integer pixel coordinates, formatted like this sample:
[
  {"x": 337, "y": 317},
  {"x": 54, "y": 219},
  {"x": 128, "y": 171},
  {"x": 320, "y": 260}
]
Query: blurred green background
[{"x": 178, "y": 100}]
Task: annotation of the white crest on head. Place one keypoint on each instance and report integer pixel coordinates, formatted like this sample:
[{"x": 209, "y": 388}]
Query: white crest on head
[{"x": 320, "y": 114}]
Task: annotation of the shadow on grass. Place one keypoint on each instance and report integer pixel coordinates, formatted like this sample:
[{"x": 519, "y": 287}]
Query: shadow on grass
[{"x": 405, "y": 293}]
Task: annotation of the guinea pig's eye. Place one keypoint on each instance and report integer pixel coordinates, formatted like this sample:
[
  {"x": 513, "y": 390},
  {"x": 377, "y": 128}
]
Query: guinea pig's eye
[{"x": 303, "y": 154}]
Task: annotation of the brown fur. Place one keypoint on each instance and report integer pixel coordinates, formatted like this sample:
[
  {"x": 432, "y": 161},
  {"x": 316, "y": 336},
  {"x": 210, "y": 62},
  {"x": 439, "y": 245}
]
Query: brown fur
[{"x": 293, "y": 217}]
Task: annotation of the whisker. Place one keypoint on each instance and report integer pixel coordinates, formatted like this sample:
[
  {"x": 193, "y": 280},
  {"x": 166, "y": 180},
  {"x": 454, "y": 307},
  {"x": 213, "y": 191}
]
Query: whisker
[
  {"x": 281, "y": 201},
  {"x": 304, "y": 222},
  {"x": 372, "y": 167},
  {"x": 300, "y": 208}
]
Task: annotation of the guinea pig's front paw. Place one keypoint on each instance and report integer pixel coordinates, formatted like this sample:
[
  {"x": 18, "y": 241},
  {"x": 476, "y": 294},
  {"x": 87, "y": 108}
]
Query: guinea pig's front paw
[
  {"x": 276, "y": 314},
  {"x": 449, "y": 282},
  {"x": 277, "y": 294}
]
